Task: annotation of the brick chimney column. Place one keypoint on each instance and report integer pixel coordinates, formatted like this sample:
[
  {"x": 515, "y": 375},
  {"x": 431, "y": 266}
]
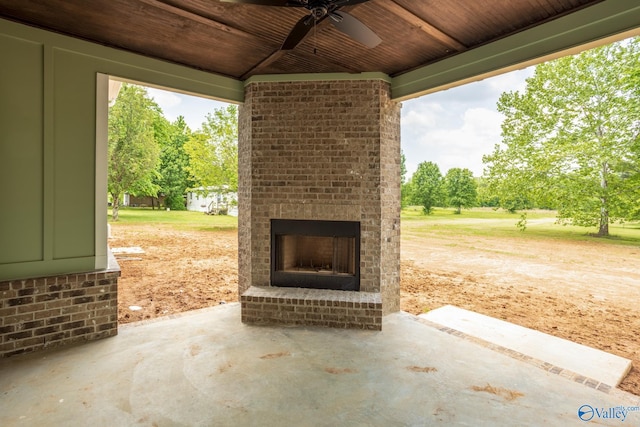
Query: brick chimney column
[{"x": 323, "y": 150}]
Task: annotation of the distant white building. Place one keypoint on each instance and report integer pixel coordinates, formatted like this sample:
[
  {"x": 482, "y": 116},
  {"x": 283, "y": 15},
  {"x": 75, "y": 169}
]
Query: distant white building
[{"x": 212, "y": 200}]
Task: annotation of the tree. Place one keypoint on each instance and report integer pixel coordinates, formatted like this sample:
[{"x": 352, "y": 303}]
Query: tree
[
  {"x": 486, "y": 198},
  {"x": 570, "y": 140},
  {"x": 426, "y": 186},
  {"x": 403, "y": 168},
  {"x": 173, "y": 179},
  {"x": 461, "y": 189},
  {"x": 405, "y": 187},
  {"x": 133, "y": 151},
  {"x": 213, "y": 152}
]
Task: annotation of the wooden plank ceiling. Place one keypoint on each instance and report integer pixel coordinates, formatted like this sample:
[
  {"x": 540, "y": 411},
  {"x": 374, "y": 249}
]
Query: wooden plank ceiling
[{"x": 241, "y": 40}]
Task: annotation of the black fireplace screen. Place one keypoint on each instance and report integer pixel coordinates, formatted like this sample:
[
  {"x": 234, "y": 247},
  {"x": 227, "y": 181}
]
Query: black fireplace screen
[{"x": 315, "y": 254}]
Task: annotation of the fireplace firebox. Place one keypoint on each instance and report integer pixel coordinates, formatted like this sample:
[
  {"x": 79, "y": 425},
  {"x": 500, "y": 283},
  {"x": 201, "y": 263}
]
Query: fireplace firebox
[{"x": 315, "y": 254}]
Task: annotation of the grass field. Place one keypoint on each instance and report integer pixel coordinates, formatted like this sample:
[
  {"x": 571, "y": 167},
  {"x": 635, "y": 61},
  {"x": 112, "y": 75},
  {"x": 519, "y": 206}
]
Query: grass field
[
  {"x": 483, "y": 222},
  {"x": 478, "y": 222},
  {"x": 180, "y": 220}
]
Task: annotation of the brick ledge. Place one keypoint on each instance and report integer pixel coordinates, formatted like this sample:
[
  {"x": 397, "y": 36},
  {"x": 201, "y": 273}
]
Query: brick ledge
[{"x": 312, "y": 307}]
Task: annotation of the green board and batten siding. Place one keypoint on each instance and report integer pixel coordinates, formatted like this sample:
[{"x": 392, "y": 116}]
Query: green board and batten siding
[
  {"x": 21, "y": 152},
  {"x": 48, "y": 163}
]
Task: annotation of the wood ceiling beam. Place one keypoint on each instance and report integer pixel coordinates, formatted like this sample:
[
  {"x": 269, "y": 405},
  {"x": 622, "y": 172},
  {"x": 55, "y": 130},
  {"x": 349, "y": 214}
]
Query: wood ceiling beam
[
  {"x": 420, "y": 23},
  {"x": 263, "y": 64},
  {"x": 193, "y": 16}
]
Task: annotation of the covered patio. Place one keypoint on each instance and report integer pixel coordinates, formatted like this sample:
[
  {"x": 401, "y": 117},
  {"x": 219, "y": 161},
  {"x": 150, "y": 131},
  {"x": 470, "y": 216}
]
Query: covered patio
[
  {"x": 206, "y": 368},
  {"x": 319, "y": 141}
]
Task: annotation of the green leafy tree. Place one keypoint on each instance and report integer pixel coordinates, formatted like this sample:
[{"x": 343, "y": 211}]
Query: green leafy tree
[
  {"x": 633, "y": 85},
  {"x": 403, "y": 168},
  {"x": 427, "y": 186},
  {"x": 461, "y": 189},
  {"x": 213, "y": 151},
  {"x": 133, "y": 151},
  {"x": 571, "y": 139},
  {"x": 486, "y": 198},
  {"x": 173, "y": 179},
  {"x": 405, "y": 187}
]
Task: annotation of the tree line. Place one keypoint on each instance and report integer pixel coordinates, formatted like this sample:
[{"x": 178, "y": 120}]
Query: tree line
[
  {"x": 570, "y": 142},
  {"x": 429, "y": 188},
  {"x": 150, "y": 156}
]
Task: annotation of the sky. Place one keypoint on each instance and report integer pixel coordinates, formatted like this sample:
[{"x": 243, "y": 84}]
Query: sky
[
  {"x": 453, "y": 128},
  {"x": 456, "y": 127},
  {"x": 194, "y": 109}
]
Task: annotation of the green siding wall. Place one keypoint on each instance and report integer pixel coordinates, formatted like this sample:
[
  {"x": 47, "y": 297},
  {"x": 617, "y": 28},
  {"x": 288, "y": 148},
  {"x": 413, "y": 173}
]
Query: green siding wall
[
  {"x": 21, "y": 151},
  {"x": 48, "y": 162},
  {"x": 74, "y": 150}
]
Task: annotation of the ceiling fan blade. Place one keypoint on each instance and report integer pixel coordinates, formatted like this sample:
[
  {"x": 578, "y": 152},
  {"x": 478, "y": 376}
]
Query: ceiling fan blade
[
  {"x": 281, "y": 3},
  {"x": 355, "y": 29},
  {"x": 299, "y": 31}
]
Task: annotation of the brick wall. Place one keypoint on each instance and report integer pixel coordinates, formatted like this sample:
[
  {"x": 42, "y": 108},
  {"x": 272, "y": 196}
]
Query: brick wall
[
  {"x": 53, "y": 311},
  {"x": 325, "y": 150},
  {"x": 390, "y": 204}
]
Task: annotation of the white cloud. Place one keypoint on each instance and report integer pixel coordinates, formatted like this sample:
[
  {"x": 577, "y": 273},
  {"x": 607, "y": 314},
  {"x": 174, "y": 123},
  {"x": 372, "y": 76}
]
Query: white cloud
[
  {"x": 456, "y": 127},
  {"x": 482, "y": 123},
  {"x": 514, "y": 81},
  {"x": 164, "y": 98},
  {"x": 425, "y": 115},
  {"x": 461, "y": 146}
]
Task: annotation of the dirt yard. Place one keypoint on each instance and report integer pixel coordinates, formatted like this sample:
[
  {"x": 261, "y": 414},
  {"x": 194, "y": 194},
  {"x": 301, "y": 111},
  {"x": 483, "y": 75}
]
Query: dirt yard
[{"x": 587, "y": 292}]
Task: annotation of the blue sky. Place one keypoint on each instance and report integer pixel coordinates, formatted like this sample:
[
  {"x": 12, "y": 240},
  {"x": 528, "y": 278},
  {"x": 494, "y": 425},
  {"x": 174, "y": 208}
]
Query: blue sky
[{"x": 453, "y": 128}]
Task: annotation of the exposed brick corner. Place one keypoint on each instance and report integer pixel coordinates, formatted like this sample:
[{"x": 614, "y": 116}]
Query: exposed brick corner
[{"x": 43, "y": 312}]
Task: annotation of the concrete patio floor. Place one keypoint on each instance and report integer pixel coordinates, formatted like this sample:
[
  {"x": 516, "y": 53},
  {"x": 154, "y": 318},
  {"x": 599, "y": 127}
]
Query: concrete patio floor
[{"x": 206, "y": 368}]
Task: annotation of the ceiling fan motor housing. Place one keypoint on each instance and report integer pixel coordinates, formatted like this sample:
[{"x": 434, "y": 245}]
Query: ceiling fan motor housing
[{"x": 319, "y": 11}]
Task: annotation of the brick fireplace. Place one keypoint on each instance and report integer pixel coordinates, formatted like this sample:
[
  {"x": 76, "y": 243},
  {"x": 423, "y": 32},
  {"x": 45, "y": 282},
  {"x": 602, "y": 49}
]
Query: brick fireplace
[{"x": 319, "y": 153}]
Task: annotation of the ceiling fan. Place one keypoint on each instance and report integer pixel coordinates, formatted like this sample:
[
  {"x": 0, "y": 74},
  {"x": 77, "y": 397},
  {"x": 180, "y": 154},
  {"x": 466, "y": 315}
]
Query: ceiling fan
[{"x": 319, "y": 10}]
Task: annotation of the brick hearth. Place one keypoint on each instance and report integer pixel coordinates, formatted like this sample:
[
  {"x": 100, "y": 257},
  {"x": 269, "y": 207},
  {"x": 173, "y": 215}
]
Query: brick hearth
[{"x": 314, "y": 307}]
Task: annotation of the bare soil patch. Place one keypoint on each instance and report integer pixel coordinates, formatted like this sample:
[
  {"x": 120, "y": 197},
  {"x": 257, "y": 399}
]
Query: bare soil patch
[
  {"x": 586, "y": 292},
  {"x": 179, "y": 270}
]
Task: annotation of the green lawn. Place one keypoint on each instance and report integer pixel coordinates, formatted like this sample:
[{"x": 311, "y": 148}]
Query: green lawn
[
  {"x": 184, "y": 220},
  {"x": 443, "y": 222},
  {"x": 488, "y": 222}
]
